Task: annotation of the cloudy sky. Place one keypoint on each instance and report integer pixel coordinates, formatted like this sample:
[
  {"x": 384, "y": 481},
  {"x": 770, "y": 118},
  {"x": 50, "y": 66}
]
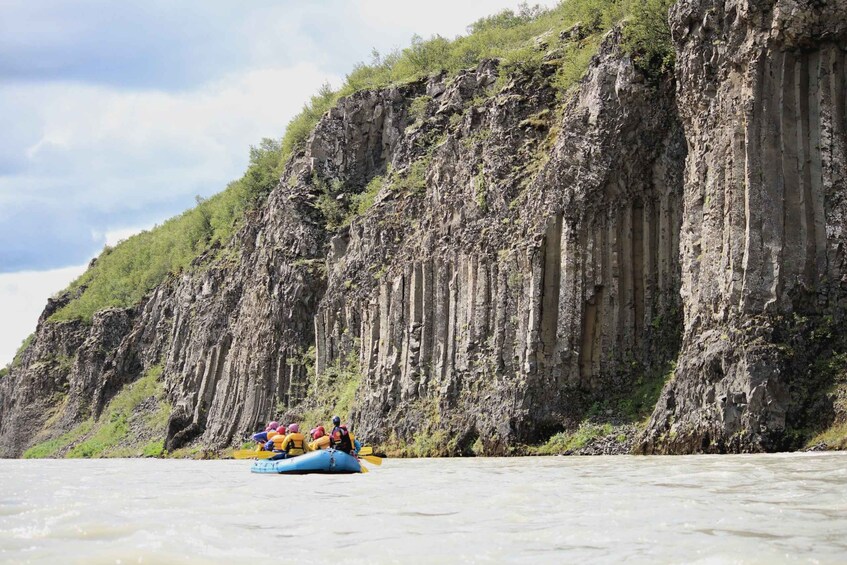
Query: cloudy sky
[{"x": 114, "y": 115}]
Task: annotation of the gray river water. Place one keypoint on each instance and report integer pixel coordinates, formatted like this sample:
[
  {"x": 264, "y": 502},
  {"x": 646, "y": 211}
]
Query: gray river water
[{"x": 704, "y": 509}]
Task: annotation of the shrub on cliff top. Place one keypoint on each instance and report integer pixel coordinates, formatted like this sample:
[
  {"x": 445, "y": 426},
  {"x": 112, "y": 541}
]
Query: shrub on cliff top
[
  {"x": 648, "y": 36},
  {"x": 18, "y": 359}
]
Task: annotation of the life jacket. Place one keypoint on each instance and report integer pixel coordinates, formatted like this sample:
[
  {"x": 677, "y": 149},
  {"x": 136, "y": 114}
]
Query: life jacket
[
  {"x": 340, "y": 439},
  {"x": 320, "y": 443},
  {"x": 293, "y": 444}
]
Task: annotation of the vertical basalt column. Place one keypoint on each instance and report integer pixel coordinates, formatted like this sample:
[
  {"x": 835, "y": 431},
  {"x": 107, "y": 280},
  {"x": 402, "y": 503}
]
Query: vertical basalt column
[
  {"x": 412, "y": 343},
  {"x": 371, "y": 331},
  {"x": 794, "y": 250},
  {"x": 571, "y": 305},
  {"x": 552, "y": 283},
  {"x": 397, "y": 326},
  {"x": 409, "y": 313},
  {"x": 442, "y": 319},
  {"x": 428, "y": 345},
  {"x": 284, "y": 376},
  {"x": 453, "y": 287},
  {"x": 502, "y": 351},
  {"x": 483, "y": 306},
  {"x": 384, "y": 310},
  {"x": 639, "y": 286},
  {"x": 511, "y": 282},
  {"x": 462, "y": 295},
  {"x": 609, "y": 279},
  {"x": 532, "y": 338},
  {"x": 626, "y": 301},
  {"x": 320, "y": 343}
]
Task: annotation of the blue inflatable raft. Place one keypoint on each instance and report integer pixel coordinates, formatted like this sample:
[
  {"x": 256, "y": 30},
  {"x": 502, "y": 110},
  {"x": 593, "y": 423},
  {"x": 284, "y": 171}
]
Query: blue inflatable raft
[{"x": 321, "y": 461}]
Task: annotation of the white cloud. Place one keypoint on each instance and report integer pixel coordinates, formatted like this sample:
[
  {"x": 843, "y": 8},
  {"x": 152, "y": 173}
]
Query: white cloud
[
  {"x": 22, "y": 299},
  {"x": 113, "y": 237},
  {"x": 108, "y": 149}
]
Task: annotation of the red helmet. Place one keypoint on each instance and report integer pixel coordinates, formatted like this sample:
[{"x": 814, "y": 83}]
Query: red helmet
[
  {"x": 293, "y": 429},
  {"x": 281, "y": 430},
  {"x": 318, "y": 432}
]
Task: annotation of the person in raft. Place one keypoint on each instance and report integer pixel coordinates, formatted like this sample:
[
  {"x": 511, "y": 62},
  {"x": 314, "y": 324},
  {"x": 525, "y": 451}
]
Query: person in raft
[
  {"x": 339, "y": 437},
  {"x": 275, "y": 436},
  {"x": 319, "y": 438},
  {"x": 261, "y": 438},
  {"x": 291, "y": 444}
]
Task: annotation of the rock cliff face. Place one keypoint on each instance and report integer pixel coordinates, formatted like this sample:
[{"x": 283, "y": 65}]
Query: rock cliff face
[
  {"x": 521, "y": 246},
  {"x": 526, "y": 275},
  {"x": 529, "y": 254},
  {"x": 762, "y": 94}
]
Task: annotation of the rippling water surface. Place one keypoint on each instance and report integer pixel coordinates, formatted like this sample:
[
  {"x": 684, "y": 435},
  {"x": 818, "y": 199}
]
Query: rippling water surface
[{"x": 711, "y": 509}]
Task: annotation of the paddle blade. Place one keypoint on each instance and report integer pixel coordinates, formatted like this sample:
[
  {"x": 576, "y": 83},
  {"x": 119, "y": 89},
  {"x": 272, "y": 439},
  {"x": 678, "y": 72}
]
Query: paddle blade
[
  {"x": 366, "y": 450},
  {"x": 371, "y": 459},
  {"x": 252, "y": 454},
  {"x": 363, "y": 468}
]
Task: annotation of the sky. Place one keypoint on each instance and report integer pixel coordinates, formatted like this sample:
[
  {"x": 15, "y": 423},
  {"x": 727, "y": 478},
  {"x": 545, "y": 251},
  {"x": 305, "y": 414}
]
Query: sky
[{"x": 115, "y": 115}]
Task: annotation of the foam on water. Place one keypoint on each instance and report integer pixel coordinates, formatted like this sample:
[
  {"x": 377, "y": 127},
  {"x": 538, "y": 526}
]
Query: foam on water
[{"x": 704, "y": 509}]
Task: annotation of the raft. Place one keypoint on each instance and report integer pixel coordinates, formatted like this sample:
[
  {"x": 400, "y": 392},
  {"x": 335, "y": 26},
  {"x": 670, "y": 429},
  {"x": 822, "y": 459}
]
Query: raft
[{"x": 323, "y": 461}]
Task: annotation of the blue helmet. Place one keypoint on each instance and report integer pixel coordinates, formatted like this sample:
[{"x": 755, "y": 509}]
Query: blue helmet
[{"x": 336, "y": 421}]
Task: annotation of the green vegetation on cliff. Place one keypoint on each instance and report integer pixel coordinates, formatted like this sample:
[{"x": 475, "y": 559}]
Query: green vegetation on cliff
[
  {"x": 122, "y": 275},
  {"x": 513, "y": 37},
  {"x": 333, "y": 393},
  {"x": 127, "y": 427},
  {"x": 648, "y": 36},
  {"x": 18, "y": 359},
  {"x": 564, "y": 442},
  {"x": 815, "y": 351}
]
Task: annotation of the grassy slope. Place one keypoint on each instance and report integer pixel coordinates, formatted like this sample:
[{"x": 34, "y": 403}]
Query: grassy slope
[{"x": 132, "y": 424}]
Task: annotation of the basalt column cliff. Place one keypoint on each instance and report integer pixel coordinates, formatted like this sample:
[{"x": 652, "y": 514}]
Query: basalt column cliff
[
  {"x": 528, "y": 274},
  {"x": 762, "y": 95}
]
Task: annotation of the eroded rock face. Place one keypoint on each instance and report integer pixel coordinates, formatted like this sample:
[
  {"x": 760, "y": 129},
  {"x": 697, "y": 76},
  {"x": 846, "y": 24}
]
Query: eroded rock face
[
  {"x": 517, "y": 257},
  {"x": 230, "y": 333},
  {"x": 762, "y": 94},
  {"x": 530, "y": 271}
]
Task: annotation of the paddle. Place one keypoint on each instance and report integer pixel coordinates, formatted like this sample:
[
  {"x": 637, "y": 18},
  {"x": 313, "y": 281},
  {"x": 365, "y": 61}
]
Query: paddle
[
  {"x": 371, "y": 459},
  {"x": 252, "y": 454}
]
